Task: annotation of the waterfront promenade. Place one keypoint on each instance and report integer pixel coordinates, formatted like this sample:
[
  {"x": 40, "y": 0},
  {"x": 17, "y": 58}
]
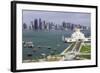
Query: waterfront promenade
[{"x": 73, "y": 50}]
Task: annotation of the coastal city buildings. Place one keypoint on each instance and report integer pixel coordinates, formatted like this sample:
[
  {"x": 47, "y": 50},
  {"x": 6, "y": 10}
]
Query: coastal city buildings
[
  {"x": 39, "y": 24},
  {"x": 56, "y": 36}
]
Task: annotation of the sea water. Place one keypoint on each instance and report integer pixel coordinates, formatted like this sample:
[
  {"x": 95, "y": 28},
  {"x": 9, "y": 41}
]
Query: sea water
[{"x": 46, "y": 42}]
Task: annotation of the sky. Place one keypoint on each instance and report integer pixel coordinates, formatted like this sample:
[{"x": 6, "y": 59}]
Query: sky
[{"x": 57, "y": 17}]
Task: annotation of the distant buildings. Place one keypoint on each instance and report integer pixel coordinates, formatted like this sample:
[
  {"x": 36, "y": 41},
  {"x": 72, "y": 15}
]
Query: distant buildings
[
  {"x": 25, "y": 26},
  {"x": 39, "y": 24},
  {"x": 36, "y": 24},
  {"x": 71, "y": 26}
]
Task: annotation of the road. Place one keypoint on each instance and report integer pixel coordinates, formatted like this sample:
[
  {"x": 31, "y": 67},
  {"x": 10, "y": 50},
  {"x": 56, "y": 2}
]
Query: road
[
  {"x": 71, "y": 52},
  {"x": 76, "y": 47}
]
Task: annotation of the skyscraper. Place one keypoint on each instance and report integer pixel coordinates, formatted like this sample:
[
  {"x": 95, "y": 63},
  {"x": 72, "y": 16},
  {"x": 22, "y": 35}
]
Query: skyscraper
[
  {"x": 40, "y": 24},
  {"x": 32, "y": 25},
  {"x": 36, "y": 24},
  {"x": 24, "y": 26}
]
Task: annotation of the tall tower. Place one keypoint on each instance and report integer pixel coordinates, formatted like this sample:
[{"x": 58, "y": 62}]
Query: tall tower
[
  {"x": 36, "y": 24},
  {"x": 40, "y": 24},
  {"x": 32, "y": 25}
]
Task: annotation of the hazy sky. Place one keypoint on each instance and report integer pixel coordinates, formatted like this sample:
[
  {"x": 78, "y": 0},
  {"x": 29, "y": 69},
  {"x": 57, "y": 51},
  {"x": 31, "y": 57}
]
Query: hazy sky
[{"x": 57, "y": 17}]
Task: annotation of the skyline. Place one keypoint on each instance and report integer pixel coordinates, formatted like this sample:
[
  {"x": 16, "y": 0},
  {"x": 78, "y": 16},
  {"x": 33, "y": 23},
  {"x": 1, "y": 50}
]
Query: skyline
[{"x": 57, "y": 17}]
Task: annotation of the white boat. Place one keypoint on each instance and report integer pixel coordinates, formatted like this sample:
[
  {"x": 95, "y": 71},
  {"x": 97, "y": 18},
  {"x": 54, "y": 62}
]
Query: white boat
[{"x": 28, "y": 44}]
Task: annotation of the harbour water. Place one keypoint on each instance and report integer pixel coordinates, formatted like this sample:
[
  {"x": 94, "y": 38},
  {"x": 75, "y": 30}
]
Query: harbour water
[{"x": 46, "y": 42}]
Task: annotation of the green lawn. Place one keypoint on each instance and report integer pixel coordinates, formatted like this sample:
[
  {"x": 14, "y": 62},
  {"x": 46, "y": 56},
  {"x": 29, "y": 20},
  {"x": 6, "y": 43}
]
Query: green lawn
[
  {"x": 85, "y": 49},
  {"x": 85, "y": 56}
]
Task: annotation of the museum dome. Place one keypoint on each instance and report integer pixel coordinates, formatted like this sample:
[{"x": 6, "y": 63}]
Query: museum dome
[{"x": 77, "y": 34}]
